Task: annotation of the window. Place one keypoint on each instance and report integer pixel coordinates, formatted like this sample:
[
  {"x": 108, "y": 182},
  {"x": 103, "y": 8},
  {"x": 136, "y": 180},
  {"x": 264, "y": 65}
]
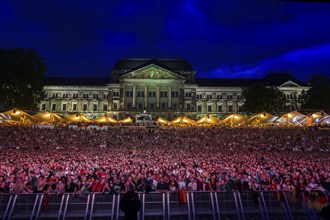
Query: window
[
  {"x": 105, "y": 107},
  {"x": 199, "y": 96},
  {"x": 74, "y": 107},
  {"x": 64, "y": 107},
  {"x": 163, "y": 106},
  {"x": 85, "y": 95},
  {"x": 230, "y": 108},
  {"x": 53, "y": 107},
  {"x": 84, "y": 107},
  {"x": 129, "y": 93},
  {"x": 151, "y": 106},
  {"x": 75, "y": 95},
  {"x": 163, "y": 93},
  {"x": 175, "y": 94},
  {"x": 43, "y": 107},
  {"x": 188, "y": 106},
  {"x": 209, "y": 108},
  {"x": 209, "y": 96},
  {"x": 116, "y": 94},
  {"x": 54, "y": 95},
  {"x": 65, "y": 95},
  {"x": 115, "y": 105},
  {"x": 45, "y": 95},
  {"x": 140, "y": 94},
  {"x": 240, "y": 108},
  {"x": 95, "y": 96},
  {"x": 129, "y": 105},
  {"x": 199, "y": 108},
  {"x": 219, "y": 108},
  {"x": 219, "y": 96},
  {"x": 140, "y": 106},
  {"x": 175, "y": 106},
  {"x": 105, "y": 95},
  {"x": 94, "y": 107},
  {"x": 229, "y": 97},
  {"x": 188, "y": 94},
  {"x": 152, "y": 94}
]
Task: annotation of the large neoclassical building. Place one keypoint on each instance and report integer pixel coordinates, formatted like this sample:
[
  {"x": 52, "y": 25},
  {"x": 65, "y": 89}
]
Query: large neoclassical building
[{"x": 161, "y": 87}]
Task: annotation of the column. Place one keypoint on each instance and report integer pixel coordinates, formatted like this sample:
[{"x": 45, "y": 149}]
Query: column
[
  {"x": 169, "y": 103},
  {"x": 134, "y": 96},
  {"x": 146, "y": 97},
  {"x": 110, "y": 100},
  {"x": 157, "y": 96}
]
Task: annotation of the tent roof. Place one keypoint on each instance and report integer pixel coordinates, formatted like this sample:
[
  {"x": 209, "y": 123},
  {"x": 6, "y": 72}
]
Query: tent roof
[
  {"x": 47, "y": 117},
  {"x": 105, "y": 119},
  {"x": 126, "y": 120},
  {"x": 77, "y": 118},
  {"x": 183, "y": 120},
  {"x": 18, "y": 115},
  {"x": 235, "y": 119},
  {"x": 208, "y": 119},
  {"x": 162, "y": 120},
  {"x": 262, "y": 117}
]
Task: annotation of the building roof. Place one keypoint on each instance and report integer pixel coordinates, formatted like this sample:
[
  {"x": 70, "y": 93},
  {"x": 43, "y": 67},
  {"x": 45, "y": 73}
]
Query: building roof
[
  {"x": 76, "y": 81},
  {"x": 130, "y": 64},
  {"x": 277, "y": 79},
  {"x": 272, "y": 79},
  {"x": 215, "y": 82}
]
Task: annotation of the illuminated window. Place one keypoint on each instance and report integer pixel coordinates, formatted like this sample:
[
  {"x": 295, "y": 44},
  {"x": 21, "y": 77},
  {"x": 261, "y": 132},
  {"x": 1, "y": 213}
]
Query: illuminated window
[
  {"x": 84, "y": 107},
  {"x": 115, "y": 105},
  {"x": 188, "y": 107},
  {"x": 94, "y": 107},
  {"x": 53, "y": 107}
]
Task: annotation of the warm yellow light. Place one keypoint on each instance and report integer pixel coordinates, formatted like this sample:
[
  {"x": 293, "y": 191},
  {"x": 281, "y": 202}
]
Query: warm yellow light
[
  {"x": 17, "y": 112},
  {"x": 47, "y": 115},
  {"x": 236, "y": 117},
  {"x": 314, "y": 115},
  {"x": 290, "y": 115}
]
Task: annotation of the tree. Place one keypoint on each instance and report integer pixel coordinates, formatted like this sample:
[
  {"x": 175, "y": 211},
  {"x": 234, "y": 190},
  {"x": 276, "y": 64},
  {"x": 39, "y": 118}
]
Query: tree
[
  {"x": 317, "y": 97},
  {"x": 21, "y": 78},
  {"x": 259, "y": 98}
]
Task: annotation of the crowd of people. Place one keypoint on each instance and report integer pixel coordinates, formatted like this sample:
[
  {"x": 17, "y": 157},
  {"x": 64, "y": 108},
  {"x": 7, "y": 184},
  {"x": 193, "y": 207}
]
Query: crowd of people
[{"x": 60, "y": 160}]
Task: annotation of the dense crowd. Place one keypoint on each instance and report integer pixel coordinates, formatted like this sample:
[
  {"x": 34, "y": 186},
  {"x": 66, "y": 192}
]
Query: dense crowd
[{"x": 63, "y": 160}]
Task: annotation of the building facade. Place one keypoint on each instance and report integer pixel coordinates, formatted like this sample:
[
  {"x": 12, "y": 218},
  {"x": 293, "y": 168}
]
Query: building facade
[{"x": 162, "y": 87}]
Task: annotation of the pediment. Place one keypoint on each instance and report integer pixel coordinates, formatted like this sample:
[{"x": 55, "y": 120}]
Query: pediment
[
  {"x": 152, "y": 71},
  {"x": 289, "y": 84}
]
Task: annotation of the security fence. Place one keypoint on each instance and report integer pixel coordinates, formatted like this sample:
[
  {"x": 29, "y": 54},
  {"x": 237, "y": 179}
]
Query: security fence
[{"x": 264, "y": 205}]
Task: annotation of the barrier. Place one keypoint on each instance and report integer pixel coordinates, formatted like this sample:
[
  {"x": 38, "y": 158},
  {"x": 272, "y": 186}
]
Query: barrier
[
  {"x": 263, "y": 205},
  {"x": 103, "y": 205},
  {"x": 5, "y": 204},
  {"x": 177, "y": 209},
  {"x": 50, "y": 206},
  {"x": 23, "y": 206},
  {"x": 226, "y": 205}
]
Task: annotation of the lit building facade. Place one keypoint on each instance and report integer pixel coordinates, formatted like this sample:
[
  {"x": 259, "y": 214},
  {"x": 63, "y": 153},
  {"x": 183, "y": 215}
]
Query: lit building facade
[{"x": 162, "y": 87}]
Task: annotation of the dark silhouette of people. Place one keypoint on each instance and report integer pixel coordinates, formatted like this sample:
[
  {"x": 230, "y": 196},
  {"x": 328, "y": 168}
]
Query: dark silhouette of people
[{"x": 130, "y": 204}]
